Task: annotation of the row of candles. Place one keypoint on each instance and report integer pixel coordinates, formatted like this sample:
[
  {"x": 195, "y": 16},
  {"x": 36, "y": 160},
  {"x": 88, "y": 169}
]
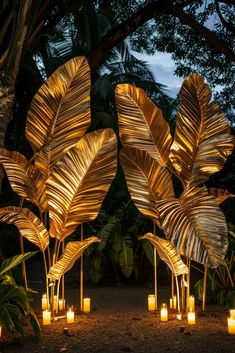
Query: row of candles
[
  {"x": 191, "y": 311},
  {"x": 173, "y": 305},
  {"x": 46, "y": 314}
]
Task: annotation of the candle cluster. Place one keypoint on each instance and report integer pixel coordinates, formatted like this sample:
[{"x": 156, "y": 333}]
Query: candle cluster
[{"x": 60, "y": 304}]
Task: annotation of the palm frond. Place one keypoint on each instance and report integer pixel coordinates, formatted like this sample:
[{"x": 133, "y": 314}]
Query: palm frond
[
  {"x": 147, "y": 181},
  {"x": 196, "y": 225},
  {"x": 202, "y": 139},
  {"x": 29, "y": 226},
  {"x": 141, "y": 123},
  {"x": 72, "y": 252},
  {"x": 19, "y": 174},
  {"x": 168, "y": 253},
  {"x": 80, "y": 181},
  {"x": 60, "y": 113}
]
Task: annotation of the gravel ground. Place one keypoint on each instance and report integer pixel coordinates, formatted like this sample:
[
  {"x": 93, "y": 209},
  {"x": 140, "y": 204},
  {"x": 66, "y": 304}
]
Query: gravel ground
[{"x": 119, "y": 322}]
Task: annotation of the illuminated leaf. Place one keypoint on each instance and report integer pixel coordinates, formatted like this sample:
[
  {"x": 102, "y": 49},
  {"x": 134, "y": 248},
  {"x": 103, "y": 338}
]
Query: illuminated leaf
[
  {"x": 29, "y": 226},
  {"x": 25, "y": 180},
  {"x": 168, "y": 253},
  {"x": 202, "y": 139},
  {"x": 80, "y": 181},
  {"x": 60, "y": 113},
  {"x": 196, "y": 225},
  {"x": 141, "y": 123},
  {"x": 72, "y": 252},
  {"x": 147, "y": 181}
]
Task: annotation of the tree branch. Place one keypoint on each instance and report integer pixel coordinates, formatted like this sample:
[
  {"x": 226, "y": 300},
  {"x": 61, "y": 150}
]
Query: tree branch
[
  {"x": 216, "y": 43},
  {"x": 223, "y": 21},
  {"x": 155, "y": 9}
]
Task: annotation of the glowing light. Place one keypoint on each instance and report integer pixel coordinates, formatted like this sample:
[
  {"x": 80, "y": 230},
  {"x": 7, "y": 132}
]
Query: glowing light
[
  {"x": 70, "y": 316},
  {"x": 86, "y": 305},
  {"x": 164, "y": 313},
  {"x": 46, "y": 317}
]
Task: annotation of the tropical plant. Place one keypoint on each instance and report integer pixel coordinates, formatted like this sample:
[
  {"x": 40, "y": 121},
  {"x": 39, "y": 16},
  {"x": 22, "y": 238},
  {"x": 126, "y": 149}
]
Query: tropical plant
[
  {"x": 119, "y": 255},
  {"x": 14, "y": 302},
  {"x": 193, "y": 222},
  {"x": 170, "y": 256},
  {"x": 69, "y": 174}
]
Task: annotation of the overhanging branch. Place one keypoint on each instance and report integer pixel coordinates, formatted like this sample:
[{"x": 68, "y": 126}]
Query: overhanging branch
[
  {"x": 216, "y": 43},
  {"x": 155, "y": 9}
]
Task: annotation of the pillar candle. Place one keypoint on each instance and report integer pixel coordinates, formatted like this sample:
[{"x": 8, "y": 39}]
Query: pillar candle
[
  {"x": 61, "y": 304},
  {"x": 44, "y": 302},
  {"x": 191, "y": 317},
  {"x": 151, "y": 302},
  {"x": 0, "y": 331},
  {"x": 191, "y": 303},
  {"x": 232, "y": 314},
  {"x": 164, "y": 313},
  {"x": 231, "y": 326},
  {"x": 175, "y": 302},
  {"x": 70, "y": 316},
  {"x": 171, "y": 303},
  {"x": 86, "y": 305},
  {"x": 46, "y": 317}
]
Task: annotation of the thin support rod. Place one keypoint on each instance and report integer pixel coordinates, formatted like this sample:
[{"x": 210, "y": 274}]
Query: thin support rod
[
  {"x": 183, "y": 293},
  {"x": 45, "y": 268},
  {"x": 155, "y": 270},
  {"x": 178, "y": 293},
  {"x": 172, "y": 286},
  {"x": 188, "y": 281},
  {"x": 204, "y": 289},
  {"x": 62, "y": 282},
  {"x": 24, "y": 273},
  {"x": 81, "y": 274}
]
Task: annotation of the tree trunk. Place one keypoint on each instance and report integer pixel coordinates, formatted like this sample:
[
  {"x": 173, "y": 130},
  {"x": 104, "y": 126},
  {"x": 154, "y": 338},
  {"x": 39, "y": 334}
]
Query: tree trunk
[{"x": 7, "y": 98}]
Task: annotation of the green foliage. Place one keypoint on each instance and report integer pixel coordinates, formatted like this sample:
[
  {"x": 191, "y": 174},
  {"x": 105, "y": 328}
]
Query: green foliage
[
  {"x": 14, "y": 301},
  {"x": 126, "y": 257},
  {"x": 10, "y": 263},
  {"x": 119, "y": 251}
]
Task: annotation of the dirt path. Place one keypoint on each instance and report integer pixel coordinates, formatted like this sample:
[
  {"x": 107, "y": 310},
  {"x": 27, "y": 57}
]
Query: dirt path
[{"x": 120, "y": 322}]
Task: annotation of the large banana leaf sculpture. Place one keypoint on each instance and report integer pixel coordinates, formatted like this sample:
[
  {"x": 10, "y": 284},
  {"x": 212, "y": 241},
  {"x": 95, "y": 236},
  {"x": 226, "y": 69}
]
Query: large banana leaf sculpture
[
  {"x": 169, "y": 254},
  {"x": 201, "y": 145},
  {"x": 69, "y": 173}
]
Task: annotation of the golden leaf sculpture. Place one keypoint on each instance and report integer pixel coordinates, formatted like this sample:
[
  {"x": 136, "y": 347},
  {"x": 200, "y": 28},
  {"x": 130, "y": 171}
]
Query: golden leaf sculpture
[
  {"x": 30, "y": 227},
  {"x": 59, "y": 114},
  {"x": 168, "y": 253},
  {"x": 147, "y": 181},
  {"x": 72, "y": 252},
  {"x": 23, "y": 177},
  {"x": 68, "y": 175},
  {"x": 220, "y": 194},
  {"x": 202, "y": 141},
  {"x": 196, "y": 225},
  {"x": 80, "y": 181},
  {"x": 141, "y": 123},
  {"x": 201, "y": 145}
]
